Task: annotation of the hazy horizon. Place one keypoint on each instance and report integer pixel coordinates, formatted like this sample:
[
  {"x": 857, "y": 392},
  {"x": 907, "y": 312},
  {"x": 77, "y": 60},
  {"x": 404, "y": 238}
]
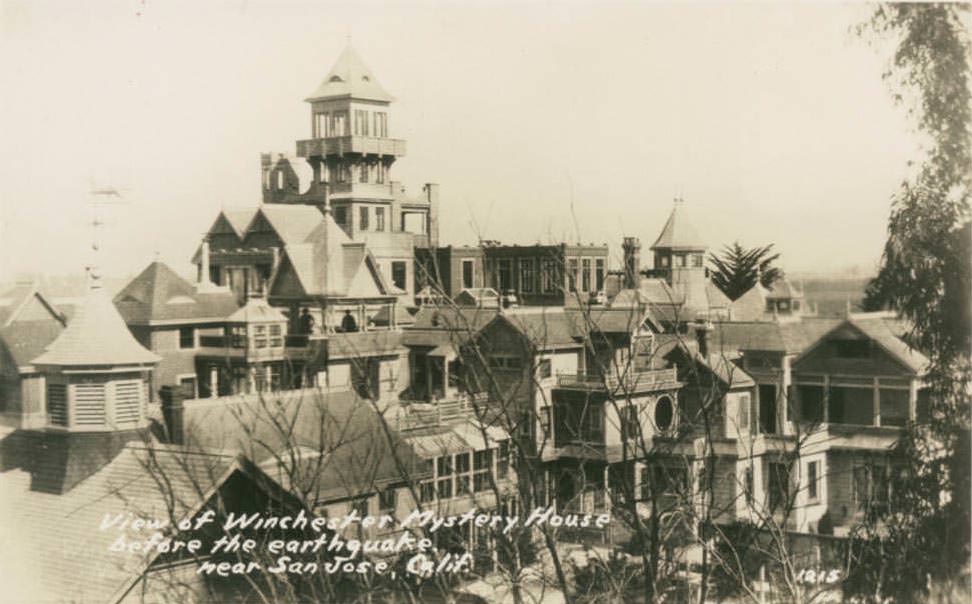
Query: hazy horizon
[{"x": 771, "y": 121}]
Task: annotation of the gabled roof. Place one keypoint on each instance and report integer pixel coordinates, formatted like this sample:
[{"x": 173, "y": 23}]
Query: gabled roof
[
  {"x": 16, "y": 304},
  {"x": 28, "y": 324},
  {"x": 790, "y": 337},
  {"x": 751, "y": 306},
  {"x": 722, "y": 365},
  {"x": 886, "y": 331},
  {"x": 329, "y": 264},
  {"x": 678, "y": 233},
  {"x": 56, "y": 540},
  {"x": 232, "y": 221},
  {"x": 611, "y": 320},
  {"x": 544, "y": 330},
  {"x": 294, "y": 224},
  {"x": 158, "y": 294},
  {"x": 446, "y": 325},
  {"x": 357, "y": 453},
  {"x": 239, "y": 219},
  {"x": 96, "y": 335},
  {"x": 350, "y": 77}
]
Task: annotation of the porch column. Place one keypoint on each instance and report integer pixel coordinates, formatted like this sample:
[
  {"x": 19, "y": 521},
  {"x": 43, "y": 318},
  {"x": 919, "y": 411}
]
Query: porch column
[
  {"x": 913, "y": 400},
  {"x": 826, "y": 399},
  {"x": 877, "y": 404},
  {"x": 445, "y": 377}
]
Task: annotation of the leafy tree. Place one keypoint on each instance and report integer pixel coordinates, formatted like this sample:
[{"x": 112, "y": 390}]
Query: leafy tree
[
  {"x": 736, "y": 271},
  {"x": 925, "y": 275}
]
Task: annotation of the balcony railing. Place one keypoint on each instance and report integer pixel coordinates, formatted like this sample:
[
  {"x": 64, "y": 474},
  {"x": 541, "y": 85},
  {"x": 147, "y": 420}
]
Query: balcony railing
[
  {"x": 630, "y": 381},
  {"x": 297, "y": 340},
  {"x": 235, "y": 342},
  {"x": 338, "y": 145},
  {"x": 423, "y": 414}
]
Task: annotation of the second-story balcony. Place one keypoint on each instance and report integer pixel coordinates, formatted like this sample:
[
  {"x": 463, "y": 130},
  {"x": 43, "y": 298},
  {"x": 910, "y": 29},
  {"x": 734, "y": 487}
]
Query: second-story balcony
[
  {"x": 238, "y": 345},
  {"x": 629, "y": 382},
  {"x": 339, "y": 145}
]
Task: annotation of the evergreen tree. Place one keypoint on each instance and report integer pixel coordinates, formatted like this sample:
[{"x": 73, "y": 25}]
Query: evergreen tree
[{"x": 736, "y": 271}]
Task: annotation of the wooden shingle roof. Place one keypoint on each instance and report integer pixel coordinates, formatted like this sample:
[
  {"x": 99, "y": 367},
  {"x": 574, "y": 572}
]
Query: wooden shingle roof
[
  {"x": 96, "y": 335},
  {"x": 56, "y": 538},
  {"x": 350, "y": 77},
  {"x": 158, "y": 294}
]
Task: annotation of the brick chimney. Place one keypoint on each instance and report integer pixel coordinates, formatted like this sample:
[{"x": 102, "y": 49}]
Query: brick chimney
[
  {"x": 432, "y": 220},
  {"x": 631, "y": 248},
  {"x": 173, "y": 412}
]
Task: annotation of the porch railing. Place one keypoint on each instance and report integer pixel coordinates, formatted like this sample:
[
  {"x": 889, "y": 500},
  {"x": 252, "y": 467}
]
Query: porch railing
[{"x": 611, "y": 381}]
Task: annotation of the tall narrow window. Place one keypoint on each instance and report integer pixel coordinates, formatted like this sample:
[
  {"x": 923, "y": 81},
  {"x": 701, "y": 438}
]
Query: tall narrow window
[
  {"x": 399, "y": 274},
  {"x": 505, "y": 274},
  {"x": 187, "y": 337},
  {"x": 599, "y": 274},
  {"x": 482, "y": 469},
  {"x": 381, "y": 124},
  {"x": 812, "y": 473},
  {"x": 586, "y": 275},
  {"x": 572, "y": 270},
  {"x": 548, "y": 275},
  {"x": 363, "y": 218},
  {"x": 779, "y": 485},
  {"x": 379, "y": 219},
  {"x": 463, "y": 485},
  {"x": 467, "y": 273},
  {"x": 526, "y": 275},
  {"x": 363, "y": 172},
  {"x": 380, "y": 173}
]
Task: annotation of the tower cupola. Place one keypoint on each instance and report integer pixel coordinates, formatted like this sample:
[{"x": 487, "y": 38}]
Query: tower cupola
[
  {"x": 96, "y": 373},
  {"x": 679, "y": 245}
]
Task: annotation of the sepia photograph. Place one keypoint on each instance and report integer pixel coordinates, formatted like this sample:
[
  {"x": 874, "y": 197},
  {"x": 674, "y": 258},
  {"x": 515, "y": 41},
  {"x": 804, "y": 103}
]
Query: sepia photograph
[{"x": 485, "y": 302}]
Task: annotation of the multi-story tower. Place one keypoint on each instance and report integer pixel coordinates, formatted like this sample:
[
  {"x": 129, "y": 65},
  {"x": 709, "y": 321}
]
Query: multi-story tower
[
  {"x": 679, "y": 259},
  {"x": 350, "y": 155}
]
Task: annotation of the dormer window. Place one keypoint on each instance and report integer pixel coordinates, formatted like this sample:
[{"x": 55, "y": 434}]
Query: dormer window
[
  {"x": 365, "y": 78},
  {"x": 335, "y": 78}
]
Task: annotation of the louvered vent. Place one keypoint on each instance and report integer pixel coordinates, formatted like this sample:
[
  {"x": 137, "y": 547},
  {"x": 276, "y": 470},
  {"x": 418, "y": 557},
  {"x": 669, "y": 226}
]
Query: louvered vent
[
  {"x": 89, "y": 404},
  {"x": 128, "y": 401},
  {"x": 57, "y": 404}
]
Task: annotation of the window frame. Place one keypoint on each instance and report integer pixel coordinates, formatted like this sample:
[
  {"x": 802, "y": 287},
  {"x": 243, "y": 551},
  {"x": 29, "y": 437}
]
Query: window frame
[
  {"x": 182, "y": 335},
  {"x": 470, "y": 265}
]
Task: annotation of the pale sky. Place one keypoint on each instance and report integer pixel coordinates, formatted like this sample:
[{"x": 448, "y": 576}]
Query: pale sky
[{"x": 770, "y": 120}]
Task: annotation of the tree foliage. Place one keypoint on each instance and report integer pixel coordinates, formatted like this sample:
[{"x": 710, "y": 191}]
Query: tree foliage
[
  {"x": 925, "y": 275},
  {"x": 737, "y": 269}
]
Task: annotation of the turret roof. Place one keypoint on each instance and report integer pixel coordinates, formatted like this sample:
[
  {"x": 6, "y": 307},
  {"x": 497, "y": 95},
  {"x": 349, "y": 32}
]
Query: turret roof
[
  {"x": 678, "y": 232},
  {"x": 350, "y": 77},
  {"x": 95, "y": 335}
]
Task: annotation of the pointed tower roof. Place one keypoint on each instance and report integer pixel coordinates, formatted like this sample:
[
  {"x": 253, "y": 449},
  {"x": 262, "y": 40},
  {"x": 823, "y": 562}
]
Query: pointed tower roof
[
  {"x": 350, "y": 77},
  {"x": 96, "y": 335},
  {"x": 678, "y": 233}
]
